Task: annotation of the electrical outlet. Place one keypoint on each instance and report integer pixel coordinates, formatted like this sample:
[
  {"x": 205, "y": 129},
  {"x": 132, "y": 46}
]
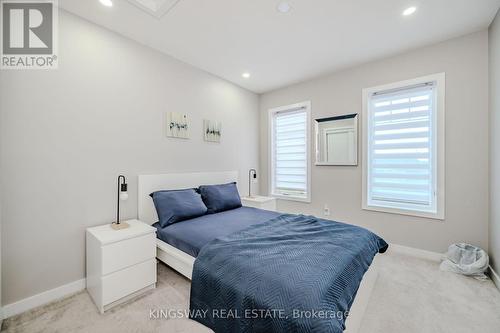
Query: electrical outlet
[{"x": 326, "y": 210}]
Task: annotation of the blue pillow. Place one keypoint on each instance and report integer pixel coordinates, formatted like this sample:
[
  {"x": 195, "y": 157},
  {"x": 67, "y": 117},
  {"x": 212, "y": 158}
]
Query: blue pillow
[
  {"x": 177, "y": 205},
  {"x": 219, "y": 198}
]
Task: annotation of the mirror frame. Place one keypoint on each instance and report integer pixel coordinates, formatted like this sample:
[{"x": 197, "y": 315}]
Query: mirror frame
[{"x": 355, "y": 117}]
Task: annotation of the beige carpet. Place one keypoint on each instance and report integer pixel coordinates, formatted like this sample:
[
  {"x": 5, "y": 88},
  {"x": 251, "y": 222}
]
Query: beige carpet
[{"x": 411, "y": 295}]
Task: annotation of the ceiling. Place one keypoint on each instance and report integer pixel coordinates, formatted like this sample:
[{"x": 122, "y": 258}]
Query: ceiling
[{"x": 230, "y": 37}]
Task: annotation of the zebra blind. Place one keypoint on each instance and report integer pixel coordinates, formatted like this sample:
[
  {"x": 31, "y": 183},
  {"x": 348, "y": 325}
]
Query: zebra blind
[
  {"x": 290, "y": 158},
  {"x": 401, "y": 149}
]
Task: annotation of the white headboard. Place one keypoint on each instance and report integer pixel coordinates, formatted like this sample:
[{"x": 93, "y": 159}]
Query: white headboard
[{"x": 174, "y": 181}]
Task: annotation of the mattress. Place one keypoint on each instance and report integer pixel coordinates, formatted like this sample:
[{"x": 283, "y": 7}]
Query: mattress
[{"x": 191, "y": 235}]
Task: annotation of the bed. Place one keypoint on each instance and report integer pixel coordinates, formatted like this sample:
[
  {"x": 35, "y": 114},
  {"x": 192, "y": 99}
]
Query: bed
[{"x": 228, "y": 255}]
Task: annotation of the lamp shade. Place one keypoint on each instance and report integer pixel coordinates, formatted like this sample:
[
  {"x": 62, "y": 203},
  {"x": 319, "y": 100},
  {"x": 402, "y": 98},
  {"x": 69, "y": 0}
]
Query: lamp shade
[
  {"x": 123, "y": 196},
  {"x": 123, "y": 191}
]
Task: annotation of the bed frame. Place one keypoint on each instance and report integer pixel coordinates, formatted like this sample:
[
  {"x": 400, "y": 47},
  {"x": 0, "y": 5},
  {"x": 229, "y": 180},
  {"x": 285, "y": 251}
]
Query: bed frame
[{"x": 183, "y": 263}]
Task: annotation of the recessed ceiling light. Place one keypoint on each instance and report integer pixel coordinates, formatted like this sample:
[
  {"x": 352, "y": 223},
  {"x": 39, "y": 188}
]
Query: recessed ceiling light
[
  {"x": 246, "y": 75},
  {"x": 284, "y": 7},
  {"x": 410, "y": 10},
  {"x": 107, "y": 3}
]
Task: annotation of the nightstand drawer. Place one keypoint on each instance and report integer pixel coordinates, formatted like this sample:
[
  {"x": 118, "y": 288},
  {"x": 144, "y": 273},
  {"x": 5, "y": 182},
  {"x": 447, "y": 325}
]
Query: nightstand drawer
[
  {"x": 119, "y": 255},
  {"x": 270, "y": 205},
  {"x": 122, "y": 283},
  {"x": 267, "y": 203}
]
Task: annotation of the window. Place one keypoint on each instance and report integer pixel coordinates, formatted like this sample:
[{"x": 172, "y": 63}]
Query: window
[
  {"x": 403, "y": 155},
  {"x": 289, "y": 152}
]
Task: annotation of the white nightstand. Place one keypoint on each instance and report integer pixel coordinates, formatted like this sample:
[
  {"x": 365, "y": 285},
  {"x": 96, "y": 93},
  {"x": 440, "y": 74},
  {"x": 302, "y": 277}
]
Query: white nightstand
[
  {"x": 267, "y": 203},
  {"x": 121, "y": 264}
]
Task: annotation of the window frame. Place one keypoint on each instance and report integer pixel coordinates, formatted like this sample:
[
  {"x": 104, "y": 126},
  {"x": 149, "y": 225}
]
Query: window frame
[
  {"x": 438, "y": 145},
  {"x": 271, "y": 158}
]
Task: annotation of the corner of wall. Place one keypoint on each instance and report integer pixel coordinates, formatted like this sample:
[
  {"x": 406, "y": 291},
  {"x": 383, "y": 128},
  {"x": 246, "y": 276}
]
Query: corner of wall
[
  {"x": 494, "y": 114},
  {"x": 1, "y": 309}
]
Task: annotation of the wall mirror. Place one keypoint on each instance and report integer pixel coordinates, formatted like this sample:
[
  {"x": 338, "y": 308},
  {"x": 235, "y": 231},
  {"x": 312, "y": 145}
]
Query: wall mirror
[{"x": 337, "y": 140}]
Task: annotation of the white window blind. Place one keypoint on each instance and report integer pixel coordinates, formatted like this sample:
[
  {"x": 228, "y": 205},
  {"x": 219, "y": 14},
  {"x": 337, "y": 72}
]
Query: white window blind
[
  {"x": 290, "y": 158},
  {"x": 401, "y": 149}
]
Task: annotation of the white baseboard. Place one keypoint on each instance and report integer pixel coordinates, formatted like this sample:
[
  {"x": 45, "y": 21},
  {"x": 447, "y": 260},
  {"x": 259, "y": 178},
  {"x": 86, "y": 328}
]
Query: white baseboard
[
  {"x": 43, "y": 298},
  {"x": 494, "y": 277},
  {"x": 423, "y": 254}
]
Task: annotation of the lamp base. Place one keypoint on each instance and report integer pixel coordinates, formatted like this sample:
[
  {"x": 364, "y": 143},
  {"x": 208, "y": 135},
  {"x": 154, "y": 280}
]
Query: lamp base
[{"x": 119, "y": 226}]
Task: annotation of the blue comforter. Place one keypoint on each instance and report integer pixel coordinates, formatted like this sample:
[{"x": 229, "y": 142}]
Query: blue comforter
[{"x": 293, "y": 273}]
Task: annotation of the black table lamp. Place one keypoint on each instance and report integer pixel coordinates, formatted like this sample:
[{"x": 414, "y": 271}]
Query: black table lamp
[
  {"x": 251, "y": 173},
  {"x": 122, "y": 195}
]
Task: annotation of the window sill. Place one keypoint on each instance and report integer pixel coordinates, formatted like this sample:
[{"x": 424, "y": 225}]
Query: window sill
[
  {"x": 291, "y": 198},
  {"x": 435, "y": 216}
]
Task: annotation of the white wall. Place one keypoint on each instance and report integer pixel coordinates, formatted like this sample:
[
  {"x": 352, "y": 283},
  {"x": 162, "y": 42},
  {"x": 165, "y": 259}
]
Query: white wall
[
  {"x": 66, "y": 134},
  {"x": 465, "y": 62},
  {"x": 1, "y": 311},
  {"x": 495, "y": 143}
]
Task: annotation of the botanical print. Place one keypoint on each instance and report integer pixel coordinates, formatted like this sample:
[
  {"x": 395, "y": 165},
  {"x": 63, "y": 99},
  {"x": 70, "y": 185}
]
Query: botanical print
[
  {"x": 177, "y": 125},
  {"x": 212, "y": 130}
]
